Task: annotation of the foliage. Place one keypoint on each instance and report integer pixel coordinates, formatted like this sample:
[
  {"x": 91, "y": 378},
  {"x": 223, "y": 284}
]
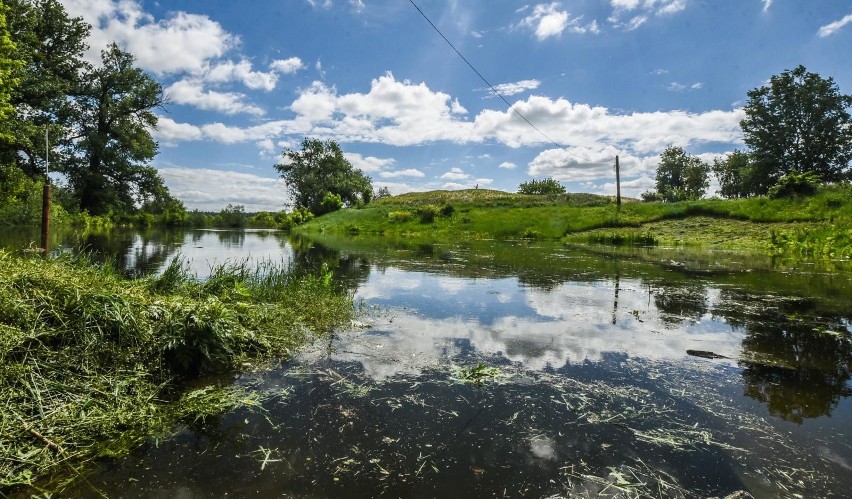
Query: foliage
[
  {"x": 427, "y": 213},
  {"x": 681, "y": 177},
  {"x": 262, "y": 220},
  {"x": 114, "y": 113},
  {"x": 547, "y": 187},
  {"x": 400, "y": 216},
  {"x": 795, "y": 184},
  {"x": 382, "y": 193},
  {"x": 93, "y": 363},
  {"x": 800, "y": 123},
  {"x": 319, "y": 168},
  {"x": 233, "y": 216},
  {"x": 50, "y": 46},
  {"x": 735, "y": 175},
  {"x": 8, "y": 80},
  {"x": 330, "y": 202},
  {"x": 651, "y": 196}
]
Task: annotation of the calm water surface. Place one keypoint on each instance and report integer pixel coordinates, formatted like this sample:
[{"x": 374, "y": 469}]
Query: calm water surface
[{"x": 523, "y": 369}]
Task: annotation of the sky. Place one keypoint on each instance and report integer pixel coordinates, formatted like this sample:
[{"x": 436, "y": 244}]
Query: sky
[{"x": 246, "y": 80}]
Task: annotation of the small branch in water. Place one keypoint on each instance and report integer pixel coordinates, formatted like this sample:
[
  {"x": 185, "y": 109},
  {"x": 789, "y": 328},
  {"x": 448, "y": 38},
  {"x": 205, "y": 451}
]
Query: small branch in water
[{"x": 50, "y": 443}]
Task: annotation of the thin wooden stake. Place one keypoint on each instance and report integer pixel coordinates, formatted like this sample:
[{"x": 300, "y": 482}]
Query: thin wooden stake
[{"x": 617, "y": 183}]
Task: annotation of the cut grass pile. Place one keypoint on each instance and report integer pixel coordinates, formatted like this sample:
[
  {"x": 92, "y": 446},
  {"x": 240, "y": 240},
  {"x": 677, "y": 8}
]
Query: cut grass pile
[{"x": 91, "y": 363}]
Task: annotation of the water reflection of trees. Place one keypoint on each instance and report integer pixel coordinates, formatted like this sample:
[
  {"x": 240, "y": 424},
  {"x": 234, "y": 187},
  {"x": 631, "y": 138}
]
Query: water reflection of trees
[
  {"x": 231, "y": 238},
  {"x": 349, "y": 270},
  {"x": 796, "y": 360},
  {"x": 135, "y": 253},
  {"x": 680, "y": 301}
]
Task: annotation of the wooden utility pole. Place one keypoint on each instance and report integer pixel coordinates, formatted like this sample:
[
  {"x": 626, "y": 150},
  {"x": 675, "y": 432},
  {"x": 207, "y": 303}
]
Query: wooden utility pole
[
  {"x": 45, "y": 198},
  {"x": 617, "y": 183}
]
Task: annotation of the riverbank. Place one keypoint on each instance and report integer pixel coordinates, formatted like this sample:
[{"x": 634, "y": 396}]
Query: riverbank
[
  {"x": 817, "y": 226},
  {"x": 92, "y": 363}
]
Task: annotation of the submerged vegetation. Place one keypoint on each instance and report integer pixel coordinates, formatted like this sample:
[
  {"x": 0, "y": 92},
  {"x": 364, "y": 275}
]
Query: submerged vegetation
[
  {"x": 92, "y": 363},
  {"x": 815, "y": 226}
]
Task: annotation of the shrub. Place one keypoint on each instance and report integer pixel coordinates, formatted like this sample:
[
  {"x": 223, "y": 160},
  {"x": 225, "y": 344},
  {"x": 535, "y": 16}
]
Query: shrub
[
  {"x": 330, "y": 202},
  {"x": 447, "y": 210},
  {"x": 795, "y": 184},
  {"x": 651, "y": 196},
  {"x": 400, "y": 216},
  {"x": 547, "y": 186},
  {"x": 427, "y": 213}
]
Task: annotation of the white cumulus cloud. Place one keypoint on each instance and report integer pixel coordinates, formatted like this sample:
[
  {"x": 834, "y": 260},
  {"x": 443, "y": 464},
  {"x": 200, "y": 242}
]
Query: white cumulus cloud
[
  {"x": 546, "y": 20},
  {"x": 181, "y": 43},
  {"x": 210, "y": 190},
  {"x": 192, "y": 92}
]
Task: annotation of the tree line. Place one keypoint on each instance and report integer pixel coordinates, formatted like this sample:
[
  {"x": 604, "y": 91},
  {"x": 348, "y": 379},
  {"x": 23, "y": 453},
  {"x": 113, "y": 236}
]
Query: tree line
[
  {"x": 798, "y": 134},
  {"x": 98, "y": 121}
]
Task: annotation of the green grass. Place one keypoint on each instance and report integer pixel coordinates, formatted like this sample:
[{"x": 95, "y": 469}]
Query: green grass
[
  {"x": 92, "y": 363},
  {"x": 812, "y": 226}
]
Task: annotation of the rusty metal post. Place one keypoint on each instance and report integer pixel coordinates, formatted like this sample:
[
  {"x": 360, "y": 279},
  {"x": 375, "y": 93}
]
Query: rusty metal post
[{"x": 45, "y": 199}]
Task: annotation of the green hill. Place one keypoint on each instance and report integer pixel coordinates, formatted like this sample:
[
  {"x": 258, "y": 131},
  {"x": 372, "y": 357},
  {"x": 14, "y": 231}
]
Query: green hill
[{"x": 820, "y": 225}]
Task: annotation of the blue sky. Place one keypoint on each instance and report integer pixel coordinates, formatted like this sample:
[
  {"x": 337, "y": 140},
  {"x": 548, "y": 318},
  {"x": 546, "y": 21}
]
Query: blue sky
[{"x": 245, "y": 79}]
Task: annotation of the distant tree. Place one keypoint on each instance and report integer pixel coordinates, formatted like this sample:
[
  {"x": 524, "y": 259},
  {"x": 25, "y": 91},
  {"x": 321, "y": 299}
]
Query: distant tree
[
  {"x": 319, "y": 168},
  {"x": 681, "y": 177},
  {"x": 799, "y": 122},
  {"x": 233, "y": 215},
  {"x": 382, "y": 193},
  {"x": 547, "y": 186},
  {"x": 651, "y": 196},
  {"x": 114, "y": 115},
  {"x": 735, "y": 175}
]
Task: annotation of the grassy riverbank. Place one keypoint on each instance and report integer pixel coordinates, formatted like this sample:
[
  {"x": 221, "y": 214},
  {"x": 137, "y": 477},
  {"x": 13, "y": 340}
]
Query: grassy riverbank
[
  {"x": 91, "y": 363},
  {"x": 820, "y": 225}
]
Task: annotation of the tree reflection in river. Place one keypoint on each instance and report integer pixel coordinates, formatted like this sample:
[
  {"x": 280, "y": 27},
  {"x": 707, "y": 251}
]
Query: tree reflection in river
[{"x": 795, "y": 359}]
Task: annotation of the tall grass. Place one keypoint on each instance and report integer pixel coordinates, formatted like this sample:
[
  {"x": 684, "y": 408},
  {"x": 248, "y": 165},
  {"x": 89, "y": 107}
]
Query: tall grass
[{"x": 91, "y": 362}]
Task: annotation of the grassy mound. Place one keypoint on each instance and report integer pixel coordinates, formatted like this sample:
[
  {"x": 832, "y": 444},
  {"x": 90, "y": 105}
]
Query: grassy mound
[
  {"x": 819, "y": 225},
  {"x": 90, "y": 362}
]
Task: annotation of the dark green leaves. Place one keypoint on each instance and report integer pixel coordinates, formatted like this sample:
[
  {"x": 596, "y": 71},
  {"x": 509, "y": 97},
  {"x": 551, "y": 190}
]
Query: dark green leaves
[{"x": 320, "y": 169}]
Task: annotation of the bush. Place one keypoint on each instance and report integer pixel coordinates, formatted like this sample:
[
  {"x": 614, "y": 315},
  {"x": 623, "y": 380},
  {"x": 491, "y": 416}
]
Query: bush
[
  {"x": 427, "y": 213},
  {"x": 400, "y": 216},
  {"x": 651, "y": 196},
  {"x": 330, "y": 202},
  {"x": 547, "y": 186},
  {"x": 447, "y": 210},
  {"x": 795, "y": 184}
]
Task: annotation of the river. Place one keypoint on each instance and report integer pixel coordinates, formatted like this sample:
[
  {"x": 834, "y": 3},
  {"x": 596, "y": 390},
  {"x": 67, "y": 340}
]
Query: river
[{"x": 483, "y": 368}]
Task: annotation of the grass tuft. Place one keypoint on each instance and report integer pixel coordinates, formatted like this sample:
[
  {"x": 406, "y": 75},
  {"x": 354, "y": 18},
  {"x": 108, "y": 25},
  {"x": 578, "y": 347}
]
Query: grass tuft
[{"x": 91, "y": 363}]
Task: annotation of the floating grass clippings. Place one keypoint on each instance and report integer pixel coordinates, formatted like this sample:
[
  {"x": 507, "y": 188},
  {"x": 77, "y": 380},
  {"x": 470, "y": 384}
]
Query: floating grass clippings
[
  {"x": 91, "y": 363},
  {"x": 632, "y": 436}
]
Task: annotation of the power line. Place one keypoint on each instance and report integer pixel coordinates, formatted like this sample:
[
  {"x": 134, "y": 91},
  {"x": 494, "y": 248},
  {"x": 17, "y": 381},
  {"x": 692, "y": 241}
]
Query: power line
[{"x": 498, "y": 94}]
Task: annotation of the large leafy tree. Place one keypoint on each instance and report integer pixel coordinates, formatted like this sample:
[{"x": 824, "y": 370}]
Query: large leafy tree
[
  {"x": 735, "y": 175},
  {"x": 318, "y": 169},
  {"x": 799, "y": 123},
  {"x": 681, "y": 177},
  {"x": 49, "y": 45},
  {"x": 108, "y": 165},
  {"x": 8, "y": 80}
]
